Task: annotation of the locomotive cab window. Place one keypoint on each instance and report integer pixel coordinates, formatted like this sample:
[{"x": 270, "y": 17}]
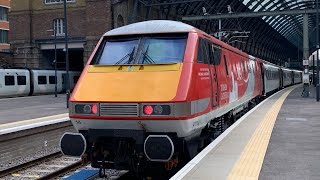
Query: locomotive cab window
[
  {"x": 22, "y": 80},
  {"x": 9, "y": 80},
  {"x": 145, "y": 49}
]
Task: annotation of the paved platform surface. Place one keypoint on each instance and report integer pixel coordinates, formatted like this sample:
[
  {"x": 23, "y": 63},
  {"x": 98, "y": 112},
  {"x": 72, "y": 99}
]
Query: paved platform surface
[
  {"x": 31, "y": 107},
  {"x": 294, "y": 148},
  {"x": 246, "y": 150}
]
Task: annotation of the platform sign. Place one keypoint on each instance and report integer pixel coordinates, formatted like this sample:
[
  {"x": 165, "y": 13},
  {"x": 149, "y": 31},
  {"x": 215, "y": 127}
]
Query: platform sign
[{"x": 306, "y": 78}]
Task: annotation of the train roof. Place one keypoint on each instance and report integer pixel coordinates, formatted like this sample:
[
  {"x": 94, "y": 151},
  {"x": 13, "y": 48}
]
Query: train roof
[{"x": 152, "y": 27}]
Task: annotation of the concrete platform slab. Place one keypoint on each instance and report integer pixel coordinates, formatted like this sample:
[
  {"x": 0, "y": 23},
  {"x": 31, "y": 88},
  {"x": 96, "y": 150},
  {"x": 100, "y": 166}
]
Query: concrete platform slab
[{"x": 31, "y": 107}]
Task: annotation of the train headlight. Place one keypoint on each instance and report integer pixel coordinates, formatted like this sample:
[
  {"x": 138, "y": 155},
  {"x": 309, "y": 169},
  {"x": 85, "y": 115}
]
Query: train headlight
[
  {"x": 86, "y": 109},
  {"x": 156, "y": 110}
]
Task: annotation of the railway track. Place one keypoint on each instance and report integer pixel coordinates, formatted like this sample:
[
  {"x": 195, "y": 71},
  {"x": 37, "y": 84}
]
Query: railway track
[{"x": 49, "y": 167}]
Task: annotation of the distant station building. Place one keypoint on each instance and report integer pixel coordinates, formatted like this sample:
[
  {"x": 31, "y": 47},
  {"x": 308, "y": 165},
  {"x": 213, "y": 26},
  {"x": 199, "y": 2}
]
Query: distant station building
[
  {"x": 32, "y": 23},
  {"x": 4, "y": 24}
]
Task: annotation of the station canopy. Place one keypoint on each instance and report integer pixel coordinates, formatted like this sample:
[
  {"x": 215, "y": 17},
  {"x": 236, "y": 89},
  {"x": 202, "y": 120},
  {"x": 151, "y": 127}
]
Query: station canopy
[{"x": 269, "y": 29}]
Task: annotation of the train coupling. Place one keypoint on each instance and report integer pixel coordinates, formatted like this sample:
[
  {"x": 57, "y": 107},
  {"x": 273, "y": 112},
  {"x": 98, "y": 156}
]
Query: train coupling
[{"x": 73, "y": 144}]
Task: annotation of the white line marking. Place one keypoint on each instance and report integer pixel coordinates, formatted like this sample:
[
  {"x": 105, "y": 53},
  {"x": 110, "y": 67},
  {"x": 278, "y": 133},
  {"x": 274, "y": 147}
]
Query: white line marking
[
  {"x": 33, "y": 125},
  {"x": 296, "y": 119},
  {"x": 188, "y": 167}
]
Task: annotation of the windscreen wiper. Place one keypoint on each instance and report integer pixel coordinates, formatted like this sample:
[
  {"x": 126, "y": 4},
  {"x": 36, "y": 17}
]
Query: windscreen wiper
[
  {"x": 130, "y": 55},
  {"x": 147, "y": 57}
]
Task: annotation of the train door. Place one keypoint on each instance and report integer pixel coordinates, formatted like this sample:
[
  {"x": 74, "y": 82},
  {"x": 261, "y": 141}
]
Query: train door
[
  {"x": 204, "y": 47},
  {"x": 214, "y": 56},
  {"x": 263, "y": 79},
  {"x": 280, "y": 78}
]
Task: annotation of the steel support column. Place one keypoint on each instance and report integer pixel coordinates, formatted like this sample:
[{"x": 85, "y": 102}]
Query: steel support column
[
  {"x": 305, "y": 92},
  {"x": 317, "y": 41}
]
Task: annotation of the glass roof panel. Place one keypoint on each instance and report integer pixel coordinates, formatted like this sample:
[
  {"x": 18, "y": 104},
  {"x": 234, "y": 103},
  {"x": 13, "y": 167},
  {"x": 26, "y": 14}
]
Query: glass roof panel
[
  {"x": 245, "y": 2},
  {"x": 271, "y": 4},
  {"x": 288, "y": 26},
  {"x": 257, "y": 9},
  {"x": 253, "y": 4}
]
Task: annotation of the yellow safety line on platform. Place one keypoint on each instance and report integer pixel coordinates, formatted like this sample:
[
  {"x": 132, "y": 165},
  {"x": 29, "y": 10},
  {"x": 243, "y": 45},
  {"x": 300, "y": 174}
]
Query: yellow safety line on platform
[
  {"x": 250, "y": 162},
  {"x": 35, "y": 120}
]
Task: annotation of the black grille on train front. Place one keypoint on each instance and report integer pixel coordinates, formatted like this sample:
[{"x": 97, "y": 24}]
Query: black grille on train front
[{"x": 113, "y": 109}]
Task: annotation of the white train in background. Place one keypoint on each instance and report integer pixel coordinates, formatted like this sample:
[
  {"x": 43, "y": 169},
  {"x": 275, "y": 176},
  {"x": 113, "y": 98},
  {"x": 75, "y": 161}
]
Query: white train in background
[
  {"x": 276, "y": 77},
  {"x": 24, "y": 82}
]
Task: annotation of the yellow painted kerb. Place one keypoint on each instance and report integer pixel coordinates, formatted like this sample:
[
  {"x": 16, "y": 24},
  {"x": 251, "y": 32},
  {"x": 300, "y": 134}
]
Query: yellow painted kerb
[{"x": 250, "y": 162}]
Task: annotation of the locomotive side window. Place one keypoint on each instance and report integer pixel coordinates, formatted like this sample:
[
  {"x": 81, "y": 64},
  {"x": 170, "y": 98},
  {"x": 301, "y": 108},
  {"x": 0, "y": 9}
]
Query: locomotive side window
[
  {"x": 216, "y": 51},
  {"x": 9, "y": 80},
  {"x": 208, "y": 52},
  {"x": 42, "y": 79},
  {"x": 22, "y": 80},
  {"x": 52, "y": 80},
  {"x": 244, "y": 67},
  {"x": 201, "y": 58},
  {"x": 225, "y": 64}
]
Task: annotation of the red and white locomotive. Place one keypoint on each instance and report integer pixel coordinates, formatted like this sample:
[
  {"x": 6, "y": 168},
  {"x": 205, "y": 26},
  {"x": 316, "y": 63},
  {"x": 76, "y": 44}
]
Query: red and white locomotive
[{"x": 159, "y": 91}]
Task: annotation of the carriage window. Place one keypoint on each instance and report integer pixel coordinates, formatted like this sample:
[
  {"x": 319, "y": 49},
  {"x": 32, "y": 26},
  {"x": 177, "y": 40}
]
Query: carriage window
[
  {"x": 225, "y": 64},
  {"x": 9, "y": 80},
  {"x": 22, "y": 80},
  {"x": 52, "y": 80},
  {"x": 42, "y": 79},
  {"x": 244, "y": 68}
]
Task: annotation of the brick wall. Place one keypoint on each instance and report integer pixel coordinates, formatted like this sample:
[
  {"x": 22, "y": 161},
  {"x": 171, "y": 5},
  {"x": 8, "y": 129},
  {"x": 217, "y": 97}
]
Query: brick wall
[{"x": 88, "y": 19}]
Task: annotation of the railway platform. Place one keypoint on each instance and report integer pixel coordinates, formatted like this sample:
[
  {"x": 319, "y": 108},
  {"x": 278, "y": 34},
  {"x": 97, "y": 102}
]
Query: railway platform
[
  {"x": 278, "y": 139},
  {"x": 24, "y": 111},
  {"x": 31, "y": 127}
]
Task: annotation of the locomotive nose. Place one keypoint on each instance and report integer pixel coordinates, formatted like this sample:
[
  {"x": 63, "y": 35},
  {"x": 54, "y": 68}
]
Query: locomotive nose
[{"x": 73, "y": 144}]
